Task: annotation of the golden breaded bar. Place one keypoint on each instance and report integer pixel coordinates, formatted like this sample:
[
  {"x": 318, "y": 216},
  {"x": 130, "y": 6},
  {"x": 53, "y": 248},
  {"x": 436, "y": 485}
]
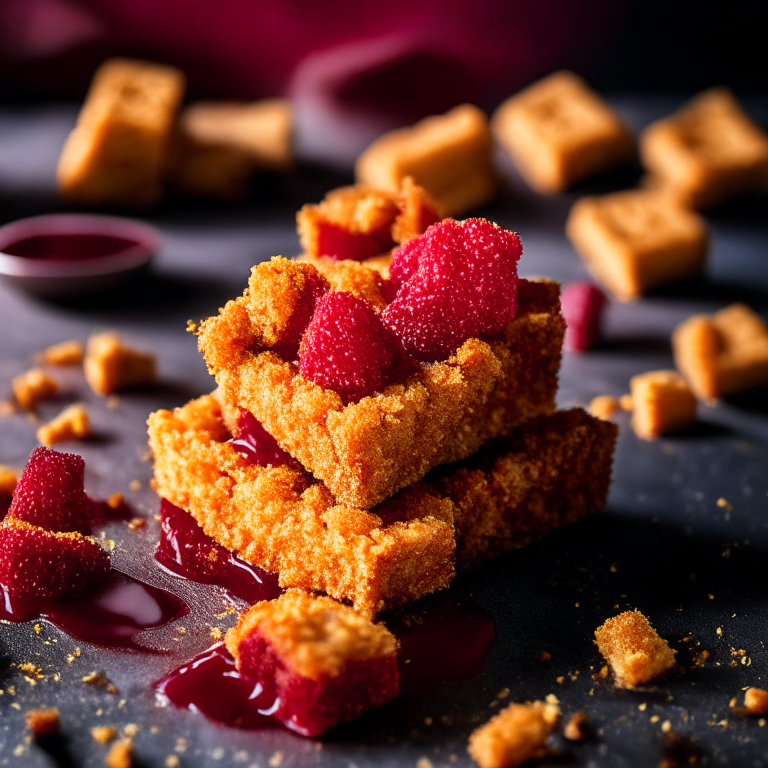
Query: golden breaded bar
[
  {"x": 448, "y": 155},
  {"x": 220, "y": 145},
  {"x": 366, "y": 451},
  {"x": 707, "y": 151},
  {"x": 117, "y": 152},
  {"x": 634, "y": 649},
  {"x": 274, "y": 518},
  {"x": 551, "y": 474},
  {"x": 515, "y": 736},
  {"x": 559, "y": 131},
  {"x": 662, "y": 402},
  {"x": 723, "y": 353},
  {"x": 637, "y": 240}
]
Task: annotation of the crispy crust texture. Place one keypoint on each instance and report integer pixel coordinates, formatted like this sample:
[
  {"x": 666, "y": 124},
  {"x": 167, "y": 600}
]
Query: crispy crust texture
[
  {"x": 367, "y": 451},
  {"x": 553, "y": 473}
]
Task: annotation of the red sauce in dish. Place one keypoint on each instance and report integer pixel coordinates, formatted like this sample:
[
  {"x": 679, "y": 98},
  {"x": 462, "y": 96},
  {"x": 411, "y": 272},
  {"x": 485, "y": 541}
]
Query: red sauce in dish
[
  {"x": 109, "y": 615},
  {"x": 70, "y": 247}
]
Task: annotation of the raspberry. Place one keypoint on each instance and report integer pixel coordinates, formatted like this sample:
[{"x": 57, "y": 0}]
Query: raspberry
[
  {"x": 582, "y": 306},
  {"x": 43, "y": 564},
  {"x": 457, "y": 281},
  {"x": 50, "y": 493},
  {"x": 348, "y": 349},
  {"x": 288, "y": 344},
  {"x": 256, "y": 444}
]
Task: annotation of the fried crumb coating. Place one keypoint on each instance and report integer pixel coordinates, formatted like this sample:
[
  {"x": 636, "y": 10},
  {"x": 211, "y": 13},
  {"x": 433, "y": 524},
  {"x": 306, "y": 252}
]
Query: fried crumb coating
[
  {"x": 313, "y": 636},
  {"x": 511, "y": 495},
  {"x": 515, "y": 736},
  {"x": 366, "y": 451},
  {"x": 634, "y": 649}
]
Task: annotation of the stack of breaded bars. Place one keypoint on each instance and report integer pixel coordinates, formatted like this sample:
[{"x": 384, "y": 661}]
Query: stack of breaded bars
[{"x": 387, "y": 497}]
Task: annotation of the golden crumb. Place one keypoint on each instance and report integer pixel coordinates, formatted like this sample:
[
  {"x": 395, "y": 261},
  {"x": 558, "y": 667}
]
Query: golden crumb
[
  {"x": 135, "y": 485},
  {"x": 137, "y": 523},
  {"x": 110, "y": 365},
  {"x": 724, "y": 353},
  {"x": 32, "y": 386},
  {"x": 7, "y": 408},
  {"x": 756, "y": 701},
  {"x": 103, "y": 734},
  {"x": 130, "y": 730},
  {"x": 216, "y": 633},
  {"x": 313, "y": 636},
  {"x": 517, "y": 734},
  {"x": 115, "y": 501},
  {"x": 42, "y": 722},
  {"x": 604, "y": 406},
  {"x": 113, "y": 402},
  {"x": 8, "y": 480},
  {"x": 633, "y": 649},
  {"x": 545, "y": 657},
  {"x": 120, "y": 754},
  {"x": 575, "y": 728},
  {"x": 71, "y": 424},
  {"x": 625, "y": 401},
  {"x": 65, "y": 353},
  {"x": 662, "y": 403},
  {"x": 172, "y": 761},
  {"x": 558, "y": 131}
]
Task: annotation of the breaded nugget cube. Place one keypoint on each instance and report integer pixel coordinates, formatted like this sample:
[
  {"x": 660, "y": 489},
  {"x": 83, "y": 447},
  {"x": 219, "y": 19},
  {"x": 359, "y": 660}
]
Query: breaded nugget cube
[
  {"x": 65, "y": 353},
  {"x": 558, "y": 131},
  {"x": 634, "y": 649},
  {"x": 117, "y": 152},
  {"x": 707, "y": 151},
  {"x": 220, "y": 145},
  {"x": 662, "y": 402},
  {"x": 637, "y": 240},
  {"x": 33, "y": 385},
  {"x": 110, "y": 365},
  {"x": 723, "y": 353},
  {"x": 515, "y": 736},
  {"x": 756, "y": 701},
  {"x": 71, "y": 424},
  {"x": 448, "y": 155},
  {"x": 326, "y": 663}
]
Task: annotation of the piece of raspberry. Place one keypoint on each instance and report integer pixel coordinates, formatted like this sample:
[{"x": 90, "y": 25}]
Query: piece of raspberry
[
  {"x": 43, "y": 564},
  {"x": 348, "y": 349},
  {"x": 582, "y": 306},
  {"x": 258, "y": 446},
  {"x": 287, "y": 345},
  {"x": 50, "y": 493},
  {"x": 457, "y": 281}
]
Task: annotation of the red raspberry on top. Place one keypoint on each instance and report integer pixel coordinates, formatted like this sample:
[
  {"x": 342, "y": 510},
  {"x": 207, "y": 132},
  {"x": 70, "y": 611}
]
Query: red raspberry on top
[
  {"x": 456, "y": 281},
  {"x": 288, "y": 344},
  {"x": 582, "y": 306},
  {"x": 348, "y": 349}
]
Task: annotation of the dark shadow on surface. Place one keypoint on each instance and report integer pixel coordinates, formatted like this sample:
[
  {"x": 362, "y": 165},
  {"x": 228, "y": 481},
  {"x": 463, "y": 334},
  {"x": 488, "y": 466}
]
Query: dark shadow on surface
[
  {"x": 648, "y": 345},
  {"x": 701, "y": 429},
  {"x": 56, "y": 746},
  {"x": 704, "y": 288},
  {"x": 755, "y": 400}
]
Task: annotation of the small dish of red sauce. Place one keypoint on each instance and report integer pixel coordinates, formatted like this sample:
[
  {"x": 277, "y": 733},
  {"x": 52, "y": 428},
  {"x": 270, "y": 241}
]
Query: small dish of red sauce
[{"x": 71, "y": 254}]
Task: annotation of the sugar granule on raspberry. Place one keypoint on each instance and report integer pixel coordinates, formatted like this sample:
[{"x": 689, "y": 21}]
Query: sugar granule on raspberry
[
  {"x": 348, "y": 349},
  {"x": 582, "y": 306},
  {"x": 456, "y": 281}
]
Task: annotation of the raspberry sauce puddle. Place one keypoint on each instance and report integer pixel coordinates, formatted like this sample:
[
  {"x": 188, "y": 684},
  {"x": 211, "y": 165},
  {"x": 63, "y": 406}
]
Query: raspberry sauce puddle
[
  {"x": 186, "y": 551},
  {"x": 109, "y": 615},
  {"x": 69, "y": 247}
]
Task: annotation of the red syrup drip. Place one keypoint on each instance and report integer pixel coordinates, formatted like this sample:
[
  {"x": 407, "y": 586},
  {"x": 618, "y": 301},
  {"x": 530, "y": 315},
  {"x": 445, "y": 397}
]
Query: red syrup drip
[
  {"x": 74, "y": 247},
  {"x": 255, "y": 444},
  {"x": 185, "y": 550},
  {"x": 446, "y": 641},
  {"x": 109, "y": 615}
]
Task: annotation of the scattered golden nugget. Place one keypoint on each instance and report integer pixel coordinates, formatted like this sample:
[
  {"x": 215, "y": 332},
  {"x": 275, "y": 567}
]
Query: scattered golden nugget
[
  {"x": 32, "y": 386},
  {"x": 42, "y": 722},
  {"x": 559, "y": 131},
  {"x": 756, "y": 701},
  {"x": 117, "y": 152},
  {"x": 515, "y": 736},
  {"x": 65, "y": 353},
  {"x": 634, "y": 649},
  {"x": 120, "y": 754},
  {"x": 111, "y": 366},
  {"x": 637, "y": 240},
  {"x": 448, "y": 155},
  {"x": 604, "y": 406},
  {"x": 724, "y": 353},
  {"x": 103, "y": 734},
  {"x": 575, "y": 728},
  {"x": 707, "y": 151},
  {"x": 662, "y": 402},
  {"x": 71, "y": 424},
  {"x": 220, "y": 145},
  {"x": 8, "y": 480}
]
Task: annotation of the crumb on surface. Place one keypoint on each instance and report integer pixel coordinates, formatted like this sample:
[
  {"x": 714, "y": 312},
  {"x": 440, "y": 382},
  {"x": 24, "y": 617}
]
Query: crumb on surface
[
  {"x": 137, "y": 523},
  {"x": 8, "y": 480},
  {"x": 756, "y": 701},
  {"x": 42, "y": 722},
  {"x": 115, "y": 501},
  {"x": 120, "y": 754},
  {"x": 103, "y": 734},
  {"x": 514, "y": 736},
  {"x": 32, "y": 386},
  {"x": 575, "y": 728},
  {"x": 64, "y": 353},
  {"x": 110, "y": 365},
  {"x": 604, "y": 406},
  {"x": 662, "y": 403},
  {"x": 625, "y": 401},
  {"x": 71, "y": 424},
  {"x": 633, "y": 649}
]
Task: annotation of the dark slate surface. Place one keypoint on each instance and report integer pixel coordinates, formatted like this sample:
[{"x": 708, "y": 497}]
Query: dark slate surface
[{"x": 663, "y": 544}]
